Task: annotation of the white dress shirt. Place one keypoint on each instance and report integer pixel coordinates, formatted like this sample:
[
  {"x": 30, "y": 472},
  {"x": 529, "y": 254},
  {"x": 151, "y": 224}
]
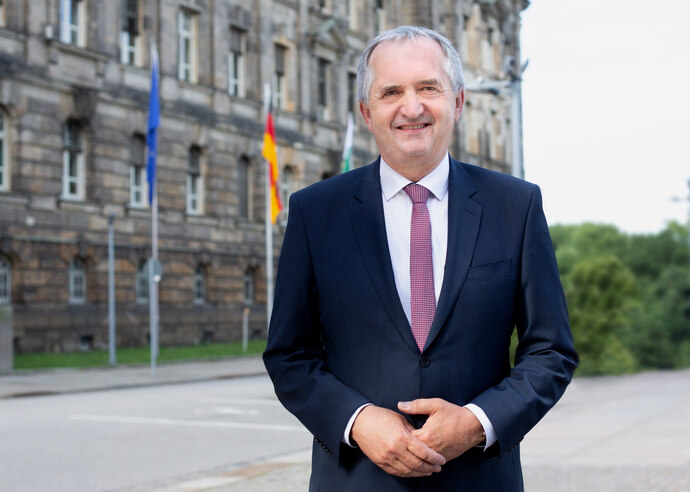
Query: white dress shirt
[{"x": 397, "y": 211}]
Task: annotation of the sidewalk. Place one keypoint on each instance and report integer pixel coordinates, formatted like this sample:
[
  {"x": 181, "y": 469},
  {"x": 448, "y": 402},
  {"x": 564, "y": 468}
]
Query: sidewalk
[{"x": 48, "y": 382}]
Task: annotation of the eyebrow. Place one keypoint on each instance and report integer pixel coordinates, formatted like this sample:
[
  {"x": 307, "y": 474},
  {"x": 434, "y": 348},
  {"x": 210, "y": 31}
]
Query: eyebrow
[
  {"x": 389, "y": 88},
  {"x": 429, "y": 82}
]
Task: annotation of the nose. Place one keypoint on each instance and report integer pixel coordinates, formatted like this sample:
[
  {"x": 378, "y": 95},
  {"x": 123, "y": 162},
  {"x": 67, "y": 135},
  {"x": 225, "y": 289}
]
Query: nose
[{"x": 411, "y": 105}]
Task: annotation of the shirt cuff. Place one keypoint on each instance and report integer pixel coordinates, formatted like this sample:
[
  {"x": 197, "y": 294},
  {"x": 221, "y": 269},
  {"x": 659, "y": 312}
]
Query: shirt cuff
[
  {"x": 486, "y": 423},
  {"x": 346, "y": 436}
]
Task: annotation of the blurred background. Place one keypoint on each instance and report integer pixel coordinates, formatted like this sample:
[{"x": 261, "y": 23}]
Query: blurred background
[{"x": 586, "y": 99}]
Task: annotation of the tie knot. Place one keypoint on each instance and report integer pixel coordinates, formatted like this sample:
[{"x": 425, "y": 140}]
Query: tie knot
[{"x": 417, "y": 193}]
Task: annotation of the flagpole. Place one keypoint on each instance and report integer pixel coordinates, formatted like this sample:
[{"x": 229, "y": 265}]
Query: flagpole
[
  {"x": 154, "y": 269},
  {"x": 269, "y": 223}
]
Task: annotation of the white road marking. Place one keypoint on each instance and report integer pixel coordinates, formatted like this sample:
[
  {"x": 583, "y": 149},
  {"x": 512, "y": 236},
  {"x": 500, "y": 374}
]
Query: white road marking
[
  {"x": 188, "y": 423},
  {"x": 241, "y": 401},
  {"x": 224, "y": 411}
]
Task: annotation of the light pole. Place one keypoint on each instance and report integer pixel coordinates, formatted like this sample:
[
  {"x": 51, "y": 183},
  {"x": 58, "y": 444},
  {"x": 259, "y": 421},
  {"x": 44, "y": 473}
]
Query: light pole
[{"x": 514, "y": 85}]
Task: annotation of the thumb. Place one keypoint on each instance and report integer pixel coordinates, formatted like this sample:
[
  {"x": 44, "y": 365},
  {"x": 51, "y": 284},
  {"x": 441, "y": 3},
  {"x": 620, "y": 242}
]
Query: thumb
[{"x": 422, "y": 406}]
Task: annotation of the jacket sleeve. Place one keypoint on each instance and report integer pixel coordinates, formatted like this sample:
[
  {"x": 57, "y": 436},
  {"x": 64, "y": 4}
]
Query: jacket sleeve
[
  {"x": 294, "y": 354},
  {"x": 545, "y": 358}
]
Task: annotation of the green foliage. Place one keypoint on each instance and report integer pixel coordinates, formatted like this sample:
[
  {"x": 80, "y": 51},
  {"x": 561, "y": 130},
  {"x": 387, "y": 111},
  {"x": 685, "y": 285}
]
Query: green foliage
[
  {"x": 599, "y": 291},
  {"x": 134, "y": 355},
  {"x": 628, "y": 295}
]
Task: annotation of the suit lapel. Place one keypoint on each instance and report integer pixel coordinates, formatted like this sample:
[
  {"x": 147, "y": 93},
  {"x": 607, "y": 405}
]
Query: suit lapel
[
  {"x": 464, "y": 217},
  {"x": 368, "y": 223}
]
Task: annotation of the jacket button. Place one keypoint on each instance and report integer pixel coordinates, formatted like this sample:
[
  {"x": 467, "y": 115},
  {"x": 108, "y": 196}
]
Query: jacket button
[{"x": 424, "y": 362}]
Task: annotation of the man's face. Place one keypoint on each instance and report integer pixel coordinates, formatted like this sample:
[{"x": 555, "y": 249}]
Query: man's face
[{"x": 412, "y": 107}]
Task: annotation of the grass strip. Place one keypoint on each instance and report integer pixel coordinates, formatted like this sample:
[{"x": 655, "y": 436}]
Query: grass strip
[{"x": 134, "y": 355}]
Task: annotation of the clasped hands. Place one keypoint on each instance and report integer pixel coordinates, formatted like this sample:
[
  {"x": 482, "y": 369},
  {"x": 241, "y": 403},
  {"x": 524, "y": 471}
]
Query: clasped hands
[{"x": 389, "y": 440}]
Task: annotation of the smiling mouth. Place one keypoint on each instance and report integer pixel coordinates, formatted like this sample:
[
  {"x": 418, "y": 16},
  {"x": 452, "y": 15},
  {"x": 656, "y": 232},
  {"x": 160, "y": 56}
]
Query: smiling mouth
[{"x": 413, "y": 127}]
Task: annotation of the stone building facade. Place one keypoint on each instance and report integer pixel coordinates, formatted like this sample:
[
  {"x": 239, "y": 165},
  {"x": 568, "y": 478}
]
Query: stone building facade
[{"x": 74, "y": 86}]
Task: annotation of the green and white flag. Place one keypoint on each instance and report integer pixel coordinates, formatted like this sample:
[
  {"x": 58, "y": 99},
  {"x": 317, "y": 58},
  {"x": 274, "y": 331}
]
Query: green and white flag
[{"x": 347, "y": 149}]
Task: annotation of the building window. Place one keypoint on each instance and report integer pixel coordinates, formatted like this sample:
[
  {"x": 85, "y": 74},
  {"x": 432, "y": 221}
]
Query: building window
[
  {"x": 199, "y": 286},
  {"x": 72, "y": 162},
  {"x": 245, "y": 188},
  {"x": 187, "y": 50},
  {"x": 279, "y": 95},
  {"x": 5, "y": 281},
  {"x": 130, "y": 40},
  {"x": 236, "y": 63},
  {"x": 2, "y": 13},
  {"x": 77, "y": 281},
  {"x": 194, "y": 181},
  {"x": 352, "y": 13},
  {"x": 138, "y": 187},
  {"x": 141, "y": 280},
  {"x": 287, "y": 183},
  {"x": 4, "y": 154},
  {"x": 249, "y": 286},
  {"x": 352, "y": 103},
  {"x": 378, "y": 17},
  {"x": 322, "y": 78},
  {"x": 73, "y": 22}
]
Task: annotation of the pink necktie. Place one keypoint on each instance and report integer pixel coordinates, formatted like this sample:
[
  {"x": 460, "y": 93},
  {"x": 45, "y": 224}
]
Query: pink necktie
[{"x": 421, "y": 265}]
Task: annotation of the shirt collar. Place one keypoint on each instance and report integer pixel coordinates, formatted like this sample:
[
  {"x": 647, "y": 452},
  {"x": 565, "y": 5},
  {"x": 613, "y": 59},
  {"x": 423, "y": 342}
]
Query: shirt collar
[{"x": 436, "y": 181}]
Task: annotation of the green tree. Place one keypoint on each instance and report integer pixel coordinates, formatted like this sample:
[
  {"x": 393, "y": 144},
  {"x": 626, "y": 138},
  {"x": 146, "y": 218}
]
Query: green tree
[
  {"x": 659, "y": 334},
  {"x": 599, "y": 294}
]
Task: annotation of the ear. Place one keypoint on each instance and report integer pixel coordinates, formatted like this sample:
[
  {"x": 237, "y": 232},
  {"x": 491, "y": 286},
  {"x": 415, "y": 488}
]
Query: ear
[
  {"x": 364, "y": 109},
  {"x": 459, "y": 102}
]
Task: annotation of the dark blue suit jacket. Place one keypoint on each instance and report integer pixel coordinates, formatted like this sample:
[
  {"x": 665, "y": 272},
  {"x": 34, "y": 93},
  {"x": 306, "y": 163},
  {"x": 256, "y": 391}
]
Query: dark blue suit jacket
[{"x": 339, "y": 338}]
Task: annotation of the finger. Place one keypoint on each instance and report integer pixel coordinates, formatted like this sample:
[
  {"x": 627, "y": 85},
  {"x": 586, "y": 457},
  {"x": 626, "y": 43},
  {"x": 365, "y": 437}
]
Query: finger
[
  {"x": 423, "y": 452},
  {"x": 421, "y": 406},
  {"x": 411, "y": 466}
]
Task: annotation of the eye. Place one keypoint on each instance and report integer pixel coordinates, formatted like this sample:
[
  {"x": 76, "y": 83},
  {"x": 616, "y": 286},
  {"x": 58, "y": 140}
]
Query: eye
[
  {"x": 390, "y": 92},
  {"x": 429, "y": 88}
]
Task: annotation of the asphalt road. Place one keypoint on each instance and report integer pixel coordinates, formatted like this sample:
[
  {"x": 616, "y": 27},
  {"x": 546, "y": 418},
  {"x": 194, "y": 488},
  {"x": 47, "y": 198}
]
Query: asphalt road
[
  {"x": 144, "y": 438},
  {"x": 628, "y": 433}
]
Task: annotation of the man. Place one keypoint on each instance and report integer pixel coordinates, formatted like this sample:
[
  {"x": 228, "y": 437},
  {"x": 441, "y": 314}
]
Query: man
[{"x": 395, "y": 304}]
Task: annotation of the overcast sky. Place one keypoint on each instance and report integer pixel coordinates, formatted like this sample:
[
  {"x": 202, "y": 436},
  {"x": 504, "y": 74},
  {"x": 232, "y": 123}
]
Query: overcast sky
[{"x": 606, "y": 107}]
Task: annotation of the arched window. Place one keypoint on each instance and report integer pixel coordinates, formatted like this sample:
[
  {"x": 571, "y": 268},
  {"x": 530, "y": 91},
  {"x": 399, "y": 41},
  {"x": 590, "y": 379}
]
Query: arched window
[
  {"x": 77, "y": 281},
  {"x": 72, "y": 161},
  {"x": 4, "y": 153},
  {"x": 199, "y": 285},
  {"x": 5, "y": 281},
  {"x": 142, "y": 282}
]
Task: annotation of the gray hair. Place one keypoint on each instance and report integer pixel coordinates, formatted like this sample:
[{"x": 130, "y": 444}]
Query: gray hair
[{"x": 451, "y": 60}]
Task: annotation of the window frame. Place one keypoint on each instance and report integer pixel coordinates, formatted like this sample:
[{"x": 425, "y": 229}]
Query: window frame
[
  {"x": 77, "y": 281},
  {"x": 73, "y": 167},
  {"x": 141, "y": 283},
  {"x": 249, "y": 286},
  {"x": 323, "y": 106},
  {"x": 4, "y": 152},
  {"x": 138, "y": 184},
  {"x": 195, "y": 182},
  {"x": 130, "y": 34},
  {"x": 5, "y": 281},
  {"x": 187, "y": 52},
  {"x": 279, "y": 77},
  {"x": 199, "y": 289},
  {"x": 245, "y": 195},
  {"x": 73, "y": 31},
  {"x": 236, "y": 62}
]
